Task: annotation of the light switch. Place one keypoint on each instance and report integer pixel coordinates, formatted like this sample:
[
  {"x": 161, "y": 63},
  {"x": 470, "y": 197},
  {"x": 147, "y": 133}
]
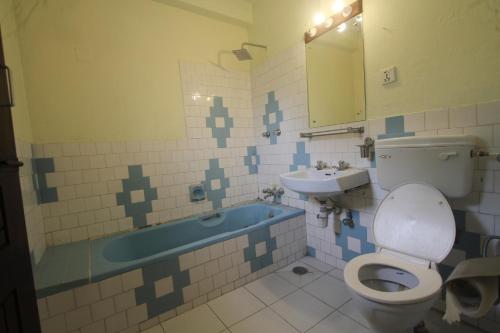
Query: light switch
[{"x": 389, "y": 75}]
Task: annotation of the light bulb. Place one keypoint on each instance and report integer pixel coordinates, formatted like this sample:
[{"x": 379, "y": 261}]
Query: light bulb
[
  {"x": 312, "y": 32},
  {"x": 319, "y": 18},
  {"x": 341, "y": 27},
  {"x": 337, "y": 6},
  {"x": 328, "y": 22}
]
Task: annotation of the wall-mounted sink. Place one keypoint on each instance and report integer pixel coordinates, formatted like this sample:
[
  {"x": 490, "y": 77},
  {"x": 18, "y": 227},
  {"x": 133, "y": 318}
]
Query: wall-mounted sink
[{"x": 324, "y": 183}]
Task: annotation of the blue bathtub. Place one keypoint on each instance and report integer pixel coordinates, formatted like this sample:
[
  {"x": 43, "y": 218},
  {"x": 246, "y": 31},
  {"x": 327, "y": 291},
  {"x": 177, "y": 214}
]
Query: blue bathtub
[{"x": 67, "y": 266}]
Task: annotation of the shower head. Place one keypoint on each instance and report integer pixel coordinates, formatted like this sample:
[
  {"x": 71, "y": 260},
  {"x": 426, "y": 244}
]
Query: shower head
[{"x": 243, "y": 54}]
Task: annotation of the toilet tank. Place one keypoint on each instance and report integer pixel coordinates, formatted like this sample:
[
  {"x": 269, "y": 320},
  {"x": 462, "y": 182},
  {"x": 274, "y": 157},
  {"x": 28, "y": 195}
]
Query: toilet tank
[{"x": 445, "y": 162}]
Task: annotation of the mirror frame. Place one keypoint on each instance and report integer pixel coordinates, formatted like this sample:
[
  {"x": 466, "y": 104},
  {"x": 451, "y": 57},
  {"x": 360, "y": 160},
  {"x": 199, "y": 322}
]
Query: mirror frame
[{"x": 337, "y": 19}]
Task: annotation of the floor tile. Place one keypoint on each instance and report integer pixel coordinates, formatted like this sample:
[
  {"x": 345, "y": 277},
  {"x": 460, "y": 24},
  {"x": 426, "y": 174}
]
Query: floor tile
[
  {"x": 263, "y": 321},
  {"x": 338, "y": 323},
  {"x": 301, "y": 310},
  {"x": 270, "y": 288},
  {"x": 200, "y": 319},
  {"x": 330, "y": 290},
  {"x": 235, "y": 306},
  {"x": 299, "y": 280},
  {"x": 337, "y": 273},
  {"x": 319, "y": 265},
  {"x": 154, "y": 329},
  {"x": 350, "y": 310},
  {"x": 434, "y": 323}
]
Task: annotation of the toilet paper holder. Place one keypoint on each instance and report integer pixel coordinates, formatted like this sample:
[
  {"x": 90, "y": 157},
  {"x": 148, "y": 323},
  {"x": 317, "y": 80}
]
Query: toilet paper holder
[{"x": 484, "y": 252}]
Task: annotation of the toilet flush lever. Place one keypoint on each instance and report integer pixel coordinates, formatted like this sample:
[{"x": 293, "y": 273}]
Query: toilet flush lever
[{"x": 447, "y": 155}]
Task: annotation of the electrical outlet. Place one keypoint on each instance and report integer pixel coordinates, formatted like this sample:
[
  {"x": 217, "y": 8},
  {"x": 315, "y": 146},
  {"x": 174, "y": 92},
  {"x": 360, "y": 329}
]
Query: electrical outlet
[{"x": 389, "y": 75}]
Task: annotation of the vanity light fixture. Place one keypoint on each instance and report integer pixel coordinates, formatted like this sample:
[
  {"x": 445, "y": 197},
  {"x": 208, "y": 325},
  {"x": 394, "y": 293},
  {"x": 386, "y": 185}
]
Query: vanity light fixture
[
  {"x": 328, "y": 22},
  {"x": 342, "y": 27},
  {"x": 338, "y": 6},
  {"x": 312, "y": 32}
]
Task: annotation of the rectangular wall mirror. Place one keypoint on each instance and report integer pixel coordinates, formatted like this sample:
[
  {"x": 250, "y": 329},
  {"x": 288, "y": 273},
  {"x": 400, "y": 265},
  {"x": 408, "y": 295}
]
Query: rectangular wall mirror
[{"x": 335, "y": 69}]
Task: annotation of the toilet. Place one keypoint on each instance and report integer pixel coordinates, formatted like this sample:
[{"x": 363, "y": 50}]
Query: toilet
[{"x": 413, "y": 229}]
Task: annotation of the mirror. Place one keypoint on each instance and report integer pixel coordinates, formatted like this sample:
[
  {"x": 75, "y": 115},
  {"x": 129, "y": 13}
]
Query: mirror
[{"x": 335, "y": 74}]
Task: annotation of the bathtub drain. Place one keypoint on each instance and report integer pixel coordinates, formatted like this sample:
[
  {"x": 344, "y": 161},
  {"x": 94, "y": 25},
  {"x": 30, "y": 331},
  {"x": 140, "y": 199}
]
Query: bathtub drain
[{"x": 300, "y": 270}]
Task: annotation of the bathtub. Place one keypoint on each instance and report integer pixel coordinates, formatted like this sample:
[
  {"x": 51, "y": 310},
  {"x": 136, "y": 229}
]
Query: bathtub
[
  {"x": 114, "y": 255},
  {"x": 170, "y": 245}
]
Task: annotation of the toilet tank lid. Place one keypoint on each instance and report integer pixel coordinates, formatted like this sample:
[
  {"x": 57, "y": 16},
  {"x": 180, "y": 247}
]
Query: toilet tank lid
[
  {"x": 416, "y": 220},
  {"x": 426, "y": 141}
]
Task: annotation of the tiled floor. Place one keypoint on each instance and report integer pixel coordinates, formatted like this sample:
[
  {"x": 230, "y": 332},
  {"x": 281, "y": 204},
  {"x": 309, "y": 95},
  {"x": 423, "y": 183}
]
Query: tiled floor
[{"x": 283, "y": 302}]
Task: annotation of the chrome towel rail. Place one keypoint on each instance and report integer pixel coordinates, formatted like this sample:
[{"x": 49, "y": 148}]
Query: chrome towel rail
[{"x": 347, "y": 130}]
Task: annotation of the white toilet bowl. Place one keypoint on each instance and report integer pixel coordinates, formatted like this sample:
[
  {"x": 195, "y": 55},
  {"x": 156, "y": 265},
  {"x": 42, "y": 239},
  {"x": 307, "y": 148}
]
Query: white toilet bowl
[{"x": 393, "y": 289}]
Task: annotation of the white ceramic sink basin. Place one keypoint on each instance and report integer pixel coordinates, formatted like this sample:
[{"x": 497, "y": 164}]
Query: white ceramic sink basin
[{"x": 324, "y": 183}]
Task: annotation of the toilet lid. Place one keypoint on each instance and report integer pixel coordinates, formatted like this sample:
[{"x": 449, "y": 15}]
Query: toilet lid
[{"x": 415, "y": 219}]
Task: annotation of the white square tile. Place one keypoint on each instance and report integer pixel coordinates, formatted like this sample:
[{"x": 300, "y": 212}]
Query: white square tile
[
  {"x": 215, "y": 184},
  {"x": 132, "y": 279},
  {"x": 200, "y": 319},
  {"x": 489, "y": 203},
  {"x": 263, "y": 321},
  {"x": 436, "y": 119},
  {"x": 350, "y": 310},
  {"x": 330, "y": 290},
  {"x": 483, "y": 134},
  {"x": 164, "y": 286},
  {"x": 260, "y": 249},
  {"x": 61, "y": 302},
  {"x": 190, "y": 292},
  {"x": 496, "y": 135},
  {"x": 479, "y": 223},
  {"x": 220, "y": 122},
  {"x": 463, "y": 116},
  {"x": 154, "y": 329},
  {"x": 488, "y": 113},
  {"x": 270, "y": 288},
  {"x": 137, "y": 196},
  {"x": 236, "y": 305},
  {"x": 272, "y": 118},
  {"x": 338, "y": 323},
  {"x": 299, "y": 280},
  {"x": 187, "y": 260},
  {"x": 301, "y": 310},
  {"x": 319, "y": 265},
  {"x": 354, "y": 244},
  {"x": 415, "y": 122}
]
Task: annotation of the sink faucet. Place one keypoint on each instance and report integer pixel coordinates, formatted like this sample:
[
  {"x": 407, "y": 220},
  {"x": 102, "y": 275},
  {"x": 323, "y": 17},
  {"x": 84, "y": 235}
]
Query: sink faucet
[
  {"x": 273, "y": 191},
  {"x": 343, "y": 165},
  {"x": 320, "y": 165}
]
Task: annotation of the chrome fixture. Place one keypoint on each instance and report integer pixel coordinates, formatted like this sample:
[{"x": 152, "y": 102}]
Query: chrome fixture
[
  {"x": 276, "y": 132},
  {"x": 326, "y": 208},
  {"x": 347, "y": 220},
  {"x": 481, "y": 153},
  {"x": 320, "y": 165},
  {"x": 343, "y": 165},
  {"x": 367, "y": 150},
  {"x": 275, "y": 192},
  {"x": 242, "y": 54},
  {"x": 347, "y": 130}
]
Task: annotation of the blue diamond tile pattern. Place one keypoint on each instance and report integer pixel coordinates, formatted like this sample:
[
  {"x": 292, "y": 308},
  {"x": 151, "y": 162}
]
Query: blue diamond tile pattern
[
  {"x": 146, "y": 294},
  {"x": 137, "y": 182},
  {"x": 358, "y": 232},
  {"x": 301, "y": 158},
  {"x": 220, "y": 122},
  {"x": 255, "y": 237},
  {"x": 41, "y": 167},
  {"x": 252, "y": 160},
  {"x": 215, "y": 183},
  {"x": 272, "y": 117},
  {"x": 394, "y": 128}
]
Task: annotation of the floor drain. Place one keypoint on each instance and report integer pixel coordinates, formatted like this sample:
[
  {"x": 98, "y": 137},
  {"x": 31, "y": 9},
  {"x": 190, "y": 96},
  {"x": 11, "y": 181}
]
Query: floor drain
[{"x": 300, "y": 270}]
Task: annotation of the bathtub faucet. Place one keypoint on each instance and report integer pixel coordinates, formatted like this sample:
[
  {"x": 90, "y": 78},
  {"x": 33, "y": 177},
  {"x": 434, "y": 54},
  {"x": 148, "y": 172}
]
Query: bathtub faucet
[{"x": 273, "y": 191}]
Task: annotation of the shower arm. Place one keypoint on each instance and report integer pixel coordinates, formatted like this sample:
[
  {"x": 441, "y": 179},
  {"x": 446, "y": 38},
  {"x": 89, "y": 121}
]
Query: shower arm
[{"x": 254, "y": 45}]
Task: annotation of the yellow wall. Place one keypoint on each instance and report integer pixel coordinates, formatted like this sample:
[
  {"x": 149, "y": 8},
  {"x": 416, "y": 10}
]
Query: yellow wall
[
  {"x": 10, "y": 38},
  {"x": 109, "y": 70},
  {"x": 446, "y": 51}
]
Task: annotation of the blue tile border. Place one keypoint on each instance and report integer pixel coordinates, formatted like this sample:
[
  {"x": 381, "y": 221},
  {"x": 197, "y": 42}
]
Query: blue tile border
[
  {"x": 395, "y": 128},
  {"x": 41, "y": 167},
  {"x": 220, "y": 133},
  {"x": 300, "y": 158},
  {"x": 255, "y": 237},
  {"x": 214, "y": 172},
  {"x": 358, "y": 232},
  {"x": 272, "y": 108},
  {"x": 137, "y": 182}
]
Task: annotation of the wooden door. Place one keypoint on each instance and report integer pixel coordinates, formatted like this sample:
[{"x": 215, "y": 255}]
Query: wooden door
[{"x": 18, "y": 310}]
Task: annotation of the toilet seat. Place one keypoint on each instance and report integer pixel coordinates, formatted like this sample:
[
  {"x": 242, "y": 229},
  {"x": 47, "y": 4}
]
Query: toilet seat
[
  {"x": 429, "y": 280},
  {"x": 415, "y": 223}
]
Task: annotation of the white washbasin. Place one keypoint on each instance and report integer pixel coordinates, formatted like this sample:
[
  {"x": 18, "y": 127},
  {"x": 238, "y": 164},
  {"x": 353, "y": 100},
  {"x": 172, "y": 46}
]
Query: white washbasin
[{"x": 324, "y": 183}]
